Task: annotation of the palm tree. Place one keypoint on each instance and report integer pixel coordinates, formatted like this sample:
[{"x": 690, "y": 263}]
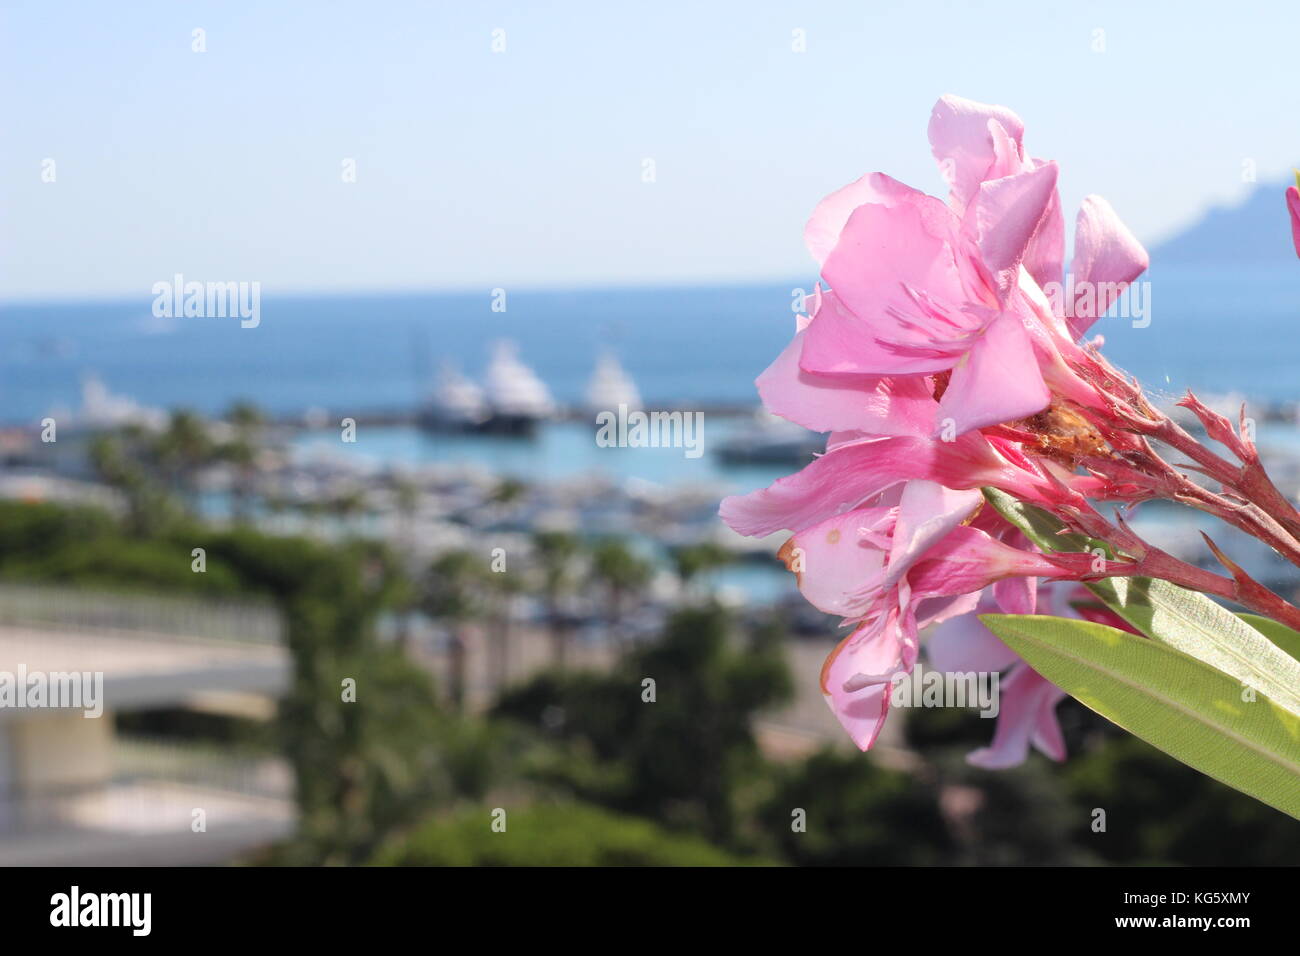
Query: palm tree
[
  {"x": 508, "y": 491},
  {"x": 348, "y": 504},
  {"x": 555, "y": 552},
  {"x": 407, "y": 498},
  {"x": 242, "y": 452},
  {"x": 452, "y": 593},
  {"x": 117, "y": 460},
  {"x": 622, "y": 572},
  {"x": 503, "y": 588},
  {"x": 182, "y": 449},
  {"x": 694, "y": 561}
]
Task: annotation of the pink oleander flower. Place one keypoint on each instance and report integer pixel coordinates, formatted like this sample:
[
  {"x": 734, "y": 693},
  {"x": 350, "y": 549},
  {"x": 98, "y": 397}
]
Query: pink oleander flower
[
  {"x": 916, "y": 557},
  {"x": 1027, "y": 701},
  {"x": 944, "y": 359},
  {"x": 935, "y": 326},
  {"x": 937, "y": 313}
]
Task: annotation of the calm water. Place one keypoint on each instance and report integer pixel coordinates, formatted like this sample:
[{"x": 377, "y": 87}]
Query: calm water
[
  {"x": 1212, "y": 331},
  {"x": 559, "y": 451},
  {"x": 1215, "y": 331}
]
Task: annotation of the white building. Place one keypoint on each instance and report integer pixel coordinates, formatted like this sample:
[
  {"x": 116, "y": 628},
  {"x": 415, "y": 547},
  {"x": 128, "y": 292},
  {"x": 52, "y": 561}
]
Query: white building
[{"x": 74, "y": 792}]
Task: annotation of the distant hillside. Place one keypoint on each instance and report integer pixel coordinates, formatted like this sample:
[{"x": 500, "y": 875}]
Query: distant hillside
[{"x": 1257, "y": 232}]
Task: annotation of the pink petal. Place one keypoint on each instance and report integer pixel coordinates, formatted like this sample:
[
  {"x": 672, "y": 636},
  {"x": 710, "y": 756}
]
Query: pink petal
[
  {"x": 824, "y": 487},
  {"x": 837, "y": 439},
  {"x": 963, "y": 141},
  {"x": 831, "y": 403},
  {"x": 837, "y": 342},
  {"x": 1016, "y": 595},
  {"x": 1008, "y": 153},
  {"x": 899, "y": 292},
  {"x": 857, "y": 471},
  {"x": 838, "y": 565},
  {"x": 1045, "y": 254},
  {"x": 927, "y": 511},
  {"x": 1005, "y": 215},
  {"x": 1023, "y": 713},
  {"x": 1293, "y": 207},
  {"x": 963, "y": 644},
  {"x": 1047, "y": 736},
  {"x": 856, "y": 677},
  {"x": 944, "y": 607},
  {"x": 1106, "y": 256},
  {"x": 826, "y": 224},
  {"x": 997, "y": 381},
  {"x": 967, "y": 559}
]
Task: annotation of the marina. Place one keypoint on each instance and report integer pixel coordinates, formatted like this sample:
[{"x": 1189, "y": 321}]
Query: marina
[{"x": 429, "y": 478}]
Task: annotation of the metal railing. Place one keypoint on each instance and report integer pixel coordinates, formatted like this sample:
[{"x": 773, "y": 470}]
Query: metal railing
[
  {"x": 201, "y": 765},
  {"x": 150, "y": 776},
  {"x": 64, "y": 607}
]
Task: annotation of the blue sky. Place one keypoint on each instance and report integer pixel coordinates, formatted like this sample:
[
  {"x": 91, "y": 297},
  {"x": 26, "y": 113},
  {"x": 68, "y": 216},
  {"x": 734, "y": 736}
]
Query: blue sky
[{"x": 524, "y": 168}]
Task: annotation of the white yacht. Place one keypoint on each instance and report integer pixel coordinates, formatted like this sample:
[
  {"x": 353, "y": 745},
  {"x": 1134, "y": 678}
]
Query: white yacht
[
  {"x": 516, "y": 397},
  {"x": 610, "y": 386},
  {"x": 457, "y": 404},
  {"x": 101, "y": 409}
]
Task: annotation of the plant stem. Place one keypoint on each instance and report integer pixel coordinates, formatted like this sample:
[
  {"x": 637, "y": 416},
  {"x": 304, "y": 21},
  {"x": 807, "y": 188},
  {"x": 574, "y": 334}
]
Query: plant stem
[
  {"x": 1153, "y": 562},
  {"x": 1248, "y": 481}
]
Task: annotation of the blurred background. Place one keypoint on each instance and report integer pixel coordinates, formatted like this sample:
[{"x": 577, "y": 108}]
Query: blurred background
[{"x": 360, "y": 578}]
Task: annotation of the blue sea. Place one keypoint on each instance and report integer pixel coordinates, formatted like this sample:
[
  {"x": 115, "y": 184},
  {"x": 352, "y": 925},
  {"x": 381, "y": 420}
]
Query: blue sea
[{"x": 1212, "y": 330}]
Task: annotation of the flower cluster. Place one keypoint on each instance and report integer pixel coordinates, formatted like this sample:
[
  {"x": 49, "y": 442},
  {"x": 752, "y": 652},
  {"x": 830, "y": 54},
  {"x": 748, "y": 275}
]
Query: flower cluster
[{"x": 940, "y": 363}]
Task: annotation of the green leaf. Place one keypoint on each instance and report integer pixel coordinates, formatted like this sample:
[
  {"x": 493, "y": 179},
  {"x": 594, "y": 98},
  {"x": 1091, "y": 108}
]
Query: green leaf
[
  {"x": 1194, "y": 624},
  {"x": 1041, "y": 527},
  {"x": 1171, "y": 700},
  {"x": 1183, "y": 619},
  {"x": 1281, "y": 635}
]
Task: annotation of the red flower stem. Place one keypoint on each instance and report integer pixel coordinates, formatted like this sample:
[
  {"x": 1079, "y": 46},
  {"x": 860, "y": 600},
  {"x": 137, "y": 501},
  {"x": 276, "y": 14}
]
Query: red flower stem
[
  {"x": 1249, "y": 480},
  {"x": 1152, "y": 562},
  {"x": 1242, "y": 514},
  {"x": 1260, "y": 508}
]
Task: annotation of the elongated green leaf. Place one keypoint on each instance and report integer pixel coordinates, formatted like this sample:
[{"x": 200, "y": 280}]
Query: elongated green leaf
[
  {"x": 1171, "y": 700},
  {"x": 1281, "y": 635},
  {"x": 1183, "y": 619},
  {"x": 1194, "y": 624}
]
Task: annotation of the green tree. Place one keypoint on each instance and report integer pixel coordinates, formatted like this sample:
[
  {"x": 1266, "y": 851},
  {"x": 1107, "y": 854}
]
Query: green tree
[
  {"x": 555, "y": 554},
  {"x": 453, "y": 592},
  {"x": 181, "y": 450},
  {"x": 508, "y": 491},
  {"x": 668, "y": 734},
  {"x": 1160, "y": 811},
  {"x": 360, "y": 724},
  {"x": 843, "y": 809},
  {"x": 622, "y": 573},
  {"x": 242, "y": 451},
  {"x": 503, "y": 590},
  {"x": 694, "y": 562},
  {"x": 120, "y": 460},
  {"x": 549, "y": 834}
]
